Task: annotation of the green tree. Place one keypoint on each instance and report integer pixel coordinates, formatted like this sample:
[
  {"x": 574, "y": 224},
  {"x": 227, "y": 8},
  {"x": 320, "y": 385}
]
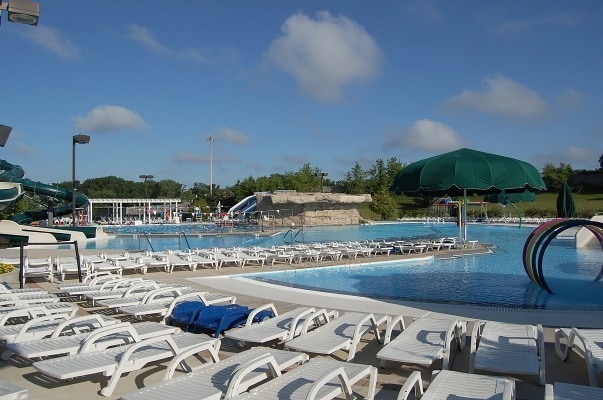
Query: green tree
[
  {"x": 555, "y": 177},
  {"x": 355, "y": 180},
  {"x": 384, "y": 204},
  {"x": 601, "y": 162},
  {"x": 377, "y": 179},
  {"x": 393, "y": 167}
]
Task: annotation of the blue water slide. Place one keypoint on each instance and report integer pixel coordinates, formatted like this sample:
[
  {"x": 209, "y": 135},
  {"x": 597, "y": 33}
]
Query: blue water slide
[
  {"x": 14, "y": 174},
  {"x": 247, "y": 205}
]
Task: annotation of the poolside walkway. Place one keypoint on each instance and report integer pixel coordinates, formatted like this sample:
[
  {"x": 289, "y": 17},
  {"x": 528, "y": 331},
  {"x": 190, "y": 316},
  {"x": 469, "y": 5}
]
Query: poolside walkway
[{"x": 20, "y": 372}]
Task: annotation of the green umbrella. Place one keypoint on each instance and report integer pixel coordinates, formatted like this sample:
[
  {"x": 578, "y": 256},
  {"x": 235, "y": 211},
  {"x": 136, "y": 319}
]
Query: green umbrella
[
  {"x": 566, "y": 207},
  {"x": 467, "y": 171}
]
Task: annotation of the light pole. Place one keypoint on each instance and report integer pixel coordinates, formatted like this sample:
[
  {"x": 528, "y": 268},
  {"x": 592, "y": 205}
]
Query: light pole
[
  {"x": 22, "y": 11},
  {"x": 146, "y": 196},
  {"x": 145, "y": 177},
  {"x": 80, "y": 139},
  {"x": 211, "y": 139},
  {"x": 321, "y": 175}
]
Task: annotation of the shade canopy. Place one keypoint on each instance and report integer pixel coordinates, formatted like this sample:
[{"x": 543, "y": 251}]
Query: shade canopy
[
  {"x": 467, "y": 171},
  {"x": 566, "y": 207}
]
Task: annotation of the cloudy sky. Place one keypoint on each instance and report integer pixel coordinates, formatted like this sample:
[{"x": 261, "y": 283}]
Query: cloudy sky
[{"x": 280, "y": 83}]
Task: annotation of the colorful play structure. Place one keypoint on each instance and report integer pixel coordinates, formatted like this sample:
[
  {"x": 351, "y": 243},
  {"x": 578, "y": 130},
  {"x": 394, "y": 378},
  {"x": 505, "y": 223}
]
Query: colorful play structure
[
  {"x": 18, "y": 229},
  {"x": 541, "y": 237}
]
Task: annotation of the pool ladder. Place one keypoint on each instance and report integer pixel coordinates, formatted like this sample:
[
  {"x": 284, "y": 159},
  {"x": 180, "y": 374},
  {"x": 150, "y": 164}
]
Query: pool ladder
[{"x": 294, "y": 237}]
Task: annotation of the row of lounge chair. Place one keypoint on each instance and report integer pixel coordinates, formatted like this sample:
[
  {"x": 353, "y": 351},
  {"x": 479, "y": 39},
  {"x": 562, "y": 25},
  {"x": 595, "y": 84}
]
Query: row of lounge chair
[
  {"x": 106, "y": 345},
  {"x": 168, "y": 261}
]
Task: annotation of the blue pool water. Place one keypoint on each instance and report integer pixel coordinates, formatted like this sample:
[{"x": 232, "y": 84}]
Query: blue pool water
[{"x": 488, "y": 279}]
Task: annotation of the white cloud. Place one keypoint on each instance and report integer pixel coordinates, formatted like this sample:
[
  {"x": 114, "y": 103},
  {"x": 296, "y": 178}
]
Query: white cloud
[
  {"x": 500, "y": 95},
  {"x": 425, "y": 9},
  {"x": 143, "y": 36},
  {"x": 110, "y": 118},
  {"x": 22, "y": 148},
  {"x": 222, "y": 55},
  {"x": 325, "y": 54},
  {"x": 50, "y": 39},
  {"x": 430, "y": 136},
  {"x": 232, "y": 136},
  {"x": 517, "y": 26},
  {"x": 570, "y": 100}
]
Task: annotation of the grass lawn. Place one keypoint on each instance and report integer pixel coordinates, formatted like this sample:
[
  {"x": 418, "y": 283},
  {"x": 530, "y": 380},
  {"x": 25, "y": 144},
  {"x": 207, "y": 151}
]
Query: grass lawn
[{"x": 544, "y": 206}]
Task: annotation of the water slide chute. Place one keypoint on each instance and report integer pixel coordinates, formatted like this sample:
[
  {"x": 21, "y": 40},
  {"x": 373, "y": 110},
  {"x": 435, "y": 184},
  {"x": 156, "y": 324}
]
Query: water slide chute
[
  {"x": 14, "y": 174},
  {"x": 541, "y": 237},
  {"x": 247, "y": 205}
]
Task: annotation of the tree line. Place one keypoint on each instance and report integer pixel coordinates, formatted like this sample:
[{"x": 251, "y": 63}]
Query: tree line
[{"x": 375, "y": 180}]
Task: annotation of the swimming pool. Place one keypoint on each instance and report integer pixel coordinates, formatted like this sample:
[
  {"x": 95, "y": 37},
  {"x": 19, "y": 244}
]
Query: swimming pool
[{"x": 495, "y": 279}]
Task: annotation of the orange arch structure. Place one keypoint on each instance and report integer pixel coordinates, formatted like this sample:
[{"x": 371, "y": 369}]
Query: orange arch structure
[{"x": 538, "y": 241}]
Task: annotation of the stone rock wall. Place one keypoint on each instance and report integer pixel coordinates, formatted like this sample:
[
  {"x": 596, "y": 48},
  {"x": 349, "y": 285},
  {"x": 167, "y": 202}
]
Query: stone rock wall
[{"x": 286, "y": 208}]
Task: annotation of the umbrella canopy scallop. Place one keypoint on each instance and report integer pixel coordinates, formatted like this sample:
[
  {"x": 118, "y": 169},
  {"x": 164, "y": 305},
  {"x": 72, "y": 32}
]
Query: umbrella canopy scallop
[{"x": 467, "y": 171}]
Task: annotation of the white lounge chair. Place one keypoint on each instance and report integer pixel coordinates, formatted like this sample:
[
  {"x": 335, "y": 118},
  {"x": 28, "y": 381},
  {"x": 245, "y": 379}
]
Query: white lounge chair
[
  {"x": 320, "y": 378},
  {"x": 95, "y": 258},
  {"x": 105, "y": 266},
  {"x": 140, "y": 294},
  {"x": 119, "y": 360},
  {"x": 139, "y": 288},
  {"x": 158, "y": 306},
  {"x": 6, "y": 289},
  {"x": 103, "y": 283},
  {"x": 108, "y": 336},
  {"x": 447, "y": 385},
  {"x": 25, "y": 299},
  {"x": 11, "y": 315},
  {"x": 133, "y": 264},
  {"x": 69, "y": 266},
  {"x": 211, "y": 381},
  {"x": 423, "y": 342},
  {"x": 568, "y": 391},
  {"x": 26, "y": 310},
  {"x": 589, "y": 344},
  {"x": 93, "y": 279},
  {"x": 47, "y": 325},
  {"x": 38, "y": 267},
  {"x": 280, "y": 327},
  {"x": 8, "y": 391},
  {"x": 507, "y": 348},
  {"x": 174, "y": 261},
  {"x": 205, "y": 262},
  {"x": 341, "y": 333}
]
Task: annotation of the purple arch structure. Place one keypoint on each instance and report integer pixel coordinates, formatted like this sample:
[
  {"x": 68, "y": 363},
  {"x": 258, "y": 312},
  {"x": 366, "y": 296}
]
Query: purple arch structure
[{"x": 538, "y": 241}]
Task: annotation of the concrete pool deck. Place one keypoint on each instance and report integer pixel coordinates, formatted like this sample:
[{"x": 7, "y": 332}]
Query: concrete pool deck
[{"x": 19, "y": 371}]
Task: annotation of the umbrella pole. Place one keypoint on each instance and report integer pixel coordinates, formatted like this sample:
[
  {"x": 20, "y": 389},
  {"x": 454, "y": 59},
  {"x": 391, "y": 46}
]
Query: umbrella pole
[
  {"x": 460, "y": 217},
  {"x": 465, "y": 213}
]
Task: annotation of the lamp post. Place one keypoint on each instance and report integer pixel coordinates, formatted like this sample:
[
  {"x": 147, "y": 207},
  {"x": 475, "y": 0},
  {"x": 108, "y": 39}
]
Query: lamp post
[
  {"x": 211, "y": 139},
  {"x": 21, "y": 11},
  {"x": 146, "y": 196},
  {"x": 321, "y": 175},
  {"x": 145, "y": 177},
  {"x": 79, "y": 139}
]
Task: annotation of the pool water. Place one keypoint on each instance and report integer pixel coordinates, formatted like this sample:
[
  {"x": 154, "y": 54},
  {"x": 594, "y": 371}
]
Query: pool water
[{"x": 496, "y": 279}]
